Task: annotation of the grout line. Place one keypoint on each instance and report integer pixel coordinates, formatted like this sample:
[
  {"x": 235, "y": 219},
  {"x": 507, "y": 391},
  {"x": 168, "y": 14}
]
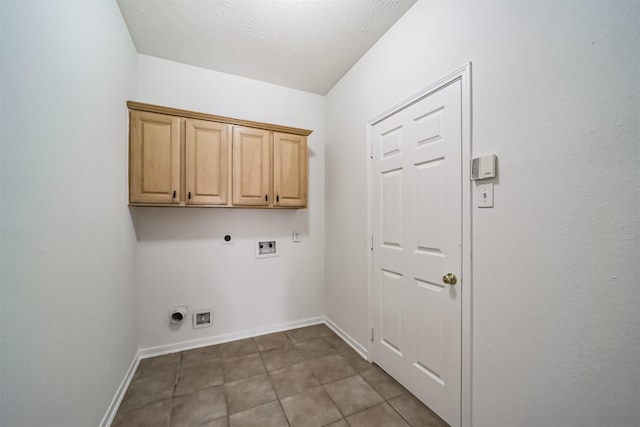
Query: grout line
[
  {"x": 396, "y": 411},
  {"x": 175, "y": 387},
  {"x": 334, "y": 402},
  {"x": 283, "y": 411}
]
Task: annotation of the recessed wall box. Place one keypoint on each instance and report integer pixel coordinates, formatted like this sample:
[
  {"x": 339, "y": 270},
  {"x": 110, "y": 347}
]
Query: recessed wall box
[
  {"x": 202, "y": 318},
  {"x": 483, "y": 167},
  {"x": 266, "y": 249}
]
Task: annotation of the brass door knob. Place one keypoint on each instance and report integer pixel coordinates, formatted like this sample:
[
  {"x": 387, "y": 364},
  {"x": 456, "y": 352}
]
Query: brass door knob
[{"x": 450, "y": 279}]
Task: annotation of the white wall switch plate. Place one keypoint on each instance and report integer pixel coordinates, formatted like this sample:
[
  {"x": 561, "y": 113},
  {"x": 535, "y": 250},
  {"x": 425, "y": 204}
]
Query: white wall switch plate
[{"x": 485, "y": 195}]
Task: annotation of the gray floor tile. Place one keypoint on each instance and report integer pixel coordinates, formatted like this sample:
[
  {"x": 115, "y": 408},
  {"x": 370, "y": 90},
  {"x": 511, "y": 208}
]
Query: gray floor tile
[
  {"x": 267, "y": 415},
  {"x": 311, "y": 408},
  {"x": 308, "y": 333},
  {"x": 243, "y": 367},
  {"x": 315, "y": 348},
  {"x": 149, "y": 389},
  {"x": 381, "y": 382},
  {"x": 239, "y": 383},
  {"x": 220, "y": 422},
  {"x": 381, "y": 415},
  {"x": 356, "y": 361},
  {"x": 198, "y": 408},
  {"x": 250, "y": 392},
  {"x": 338, "y": 344},
  {"x": 415, "y": 412},
  {"x": 239, "y": 348},
  {"x": 158, "y": 365},
  {"x": 293, "y": 380},
  {"x": 201, "y": 377},
  {"x": 353, "y": 394},
  {"x": 279, "y": 358},
  {"x": 271, "y": 341},
  {"x": 330, "y": 368},
  {"x": 200, "y": 356},
  {"x": 155, "y": 414}
]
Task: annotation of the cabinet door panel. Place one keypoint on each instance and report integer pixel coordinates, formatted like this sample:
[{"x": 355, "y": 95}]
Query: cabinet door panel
[
  {"x": 290, "y": 170},
  {"x": 207, "y": 160},
  {"x": 251, "y": 167},
  {"x": 154, "y": 158}
]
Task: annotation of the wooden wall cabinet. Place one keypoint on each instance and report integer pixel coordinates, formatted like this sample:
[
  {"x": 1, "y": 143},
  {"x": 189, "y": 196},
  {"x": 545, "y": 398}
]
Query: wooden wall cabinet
[
  {"x": 154, "y": 158},
  {"x": 269, "y": 168},
  {"x": 251, "y": 167},
  {"x": 184, "y": 158},
  {"x": 207, "y": 162},
  {"x": 289, "y": 170}
]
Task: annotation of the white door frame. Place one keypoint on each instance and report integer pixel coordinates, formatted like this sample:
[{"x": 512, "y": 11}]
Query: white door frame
[{"x": 463, "y": 74}]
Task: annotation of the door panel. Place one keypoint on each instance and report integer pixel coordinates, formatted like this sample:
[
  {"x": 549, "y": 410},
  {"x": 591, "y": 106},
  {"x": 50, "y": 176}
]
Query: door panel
[
  {"x": 392, "y": 325},
  {"x": 417, "y": 238},
  {"x": 207, "y": 163},
  {"x": 430, "y": 195},
  {"x": 392, "y": 208}
]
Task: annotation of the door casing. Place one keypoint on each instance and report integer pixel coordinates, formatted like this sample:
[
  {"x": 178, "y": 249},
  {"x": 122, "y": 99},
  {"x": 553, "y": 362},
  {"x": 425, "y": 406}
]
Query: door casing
[{"x": 463, "y": 74}]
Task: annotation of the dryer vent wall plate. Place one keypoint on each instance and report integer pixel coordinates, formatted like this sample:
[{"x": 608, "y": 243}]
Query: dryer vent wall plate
[
  {"x": 178, "y": 314},
  {"x": 227, "y": 238}
]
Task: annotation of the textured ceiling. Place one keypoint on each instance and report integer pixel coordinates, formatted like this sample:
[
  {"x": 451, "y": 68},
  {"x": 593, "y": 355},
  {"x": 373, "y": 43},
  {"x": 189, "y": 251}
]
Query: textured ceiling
[{"x": 302, "y": 44}]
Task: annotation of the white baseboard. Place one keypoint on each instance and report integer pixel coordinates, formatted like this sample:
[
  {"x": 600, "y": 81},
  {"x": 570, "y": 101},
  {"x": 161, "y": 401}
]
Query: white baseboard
[
  {"x": 117, "y": 399},
  {"x": 347, "y": 338},
  {"x": 219, "y": 339}
]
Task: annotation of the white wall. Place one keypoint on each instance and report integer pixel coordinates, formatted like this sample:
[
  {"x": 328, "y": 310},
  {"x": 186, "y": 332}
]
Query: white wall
[
  {"x": 556, "y": 262},
  {"x": 181, "y": 258},
  {"x": 68, "y": 243}
]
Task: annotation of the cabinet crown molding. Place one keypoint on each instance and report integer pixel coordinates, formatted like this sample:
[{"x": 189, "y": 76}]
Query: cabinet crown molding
[{"x": 139, "y": 106}]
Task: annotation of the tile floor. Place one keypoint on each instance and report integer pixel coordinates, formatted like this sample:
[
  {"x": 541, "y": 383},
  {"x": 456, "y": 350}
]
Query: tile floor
[{"x": 302, "y": 377}]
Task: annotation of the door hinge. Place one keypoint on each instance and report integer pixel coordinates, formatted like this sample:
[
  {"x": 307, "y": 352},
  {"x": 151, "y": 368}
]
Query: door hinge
[
  {"x": 371, "y": 151},
  {"x": 371, "y": 242},
  {"x": 372, "y": 334}
]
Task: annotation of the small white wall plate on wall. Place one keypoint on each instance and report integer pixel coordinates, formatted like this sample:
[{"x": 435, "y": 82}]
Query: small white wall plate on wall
[{"x": 202, "y": 318}]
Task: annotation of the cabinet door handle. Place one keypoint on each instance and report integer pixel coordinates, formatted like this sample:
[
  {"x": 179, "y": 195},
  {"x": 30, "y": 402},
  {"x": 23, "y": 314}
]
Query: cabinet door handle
[
  {"x": 277, "y": 198},
  {"x": 189, "y": 195},
  {"x": 266, "y": 197},
  {"x": 174, "y": 194}
]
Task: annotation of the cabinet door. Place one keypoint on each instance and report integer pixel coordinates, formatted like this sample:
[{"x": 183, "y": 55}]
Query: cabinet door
[
  {"x": 251, "y": 167},
  {"x": 207, "y": 163},
  {"x": 154, "y": 167},
  {"x": 289, "y": 170}
]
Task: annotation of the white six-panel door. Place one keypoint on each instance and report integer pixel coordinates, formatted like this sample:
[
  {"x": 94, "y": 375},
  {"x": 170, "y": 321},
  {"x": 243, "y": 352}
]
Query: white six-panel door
[{"x": 417, "y": 239}]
